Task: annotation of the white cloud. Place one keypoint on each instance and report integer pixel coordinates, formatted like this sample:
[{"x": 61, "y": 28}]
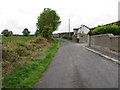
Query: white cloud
[{"x": 16, "y": 15}]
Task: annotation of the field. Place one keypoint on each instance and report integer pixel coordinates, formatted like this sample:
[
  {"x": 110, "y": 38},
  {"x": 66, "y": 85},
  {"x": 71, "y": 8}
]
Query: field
[
  {"x": 12, "y": 39},
  {"x": 25, "y": 59}
]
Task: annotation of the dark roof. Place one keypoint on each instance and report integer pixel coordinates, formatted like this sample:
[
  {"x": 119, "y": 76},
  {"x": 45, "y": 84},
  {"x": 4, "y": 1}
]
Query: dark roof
[
  {"x": 86, "y": 26},
  {"x": 80, "y": 27},
  {"x": 75, "y": 28}
]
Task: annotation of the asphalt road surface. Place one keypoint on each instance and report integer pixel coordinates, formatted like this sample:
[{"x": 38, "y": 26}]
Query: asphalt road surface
[{"x": 75, "y": 67}]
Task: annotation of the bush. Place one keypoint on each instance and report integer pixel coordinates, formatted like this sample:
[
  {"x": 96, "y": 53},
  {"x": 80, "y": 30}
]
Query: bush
[{"x": 114, "y": 29}]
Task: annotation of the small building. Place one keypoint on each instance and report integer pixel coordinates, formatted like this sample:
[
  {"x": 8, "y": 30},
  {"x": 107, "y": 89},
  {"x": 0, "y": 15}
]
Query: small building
[
  {"x": 80, "y": 34},
  {"x": 75, "y": 36}
]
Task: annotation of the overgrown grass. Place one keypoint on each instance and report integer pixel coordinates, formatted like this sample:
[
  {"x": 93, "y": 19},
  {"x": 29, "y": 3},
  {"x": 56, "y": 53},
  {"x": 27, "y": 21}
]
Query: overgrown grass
[
  {"x": 17, "y": 51},
  {"x": 11, "y": 39},
  {"x": 26, "y": 75}
]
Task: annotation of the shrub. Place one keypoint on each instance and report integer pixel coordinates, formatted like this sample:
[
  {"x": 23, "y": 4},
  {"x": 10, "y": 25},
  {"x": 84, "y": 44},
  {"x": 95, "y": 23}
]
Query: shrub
[
  {"x": 37, "y": 33},
  {"x": 114, "y": 29}
]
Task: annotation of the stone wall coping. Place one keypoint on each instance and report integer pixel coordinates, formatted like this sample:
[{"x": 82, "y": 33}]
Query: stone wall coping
[{"x": 110, "y": 35}]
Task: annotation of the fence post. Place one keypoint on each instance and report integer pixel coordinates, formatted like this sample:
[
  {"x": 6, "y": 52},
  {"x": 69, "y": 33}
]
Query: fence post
[{"x": 89, "y": 40}]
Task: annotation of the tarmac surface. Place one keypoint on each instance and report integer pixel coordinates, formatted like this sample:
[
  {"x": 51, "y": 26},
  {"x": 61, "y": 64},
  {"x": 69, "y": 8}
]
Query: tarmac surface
[{"x": 76, "y": 67}]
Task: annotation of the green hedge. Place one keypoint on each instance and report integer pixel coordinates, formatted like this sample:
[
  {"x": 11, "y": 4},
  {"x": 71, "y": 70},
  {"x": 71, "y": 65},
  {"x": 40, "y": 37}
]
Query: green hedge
[{"x": 114, "y": 29}]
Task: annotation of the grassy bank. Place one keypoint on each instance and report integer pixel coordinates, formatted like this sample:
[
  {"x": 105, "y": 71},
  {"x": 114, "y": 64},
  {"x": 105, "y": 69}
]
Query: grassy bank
[
  {"x": 28, "y": 73},
  {"x": 19, "y": 50},
  {"x": 11, "y": 39}
]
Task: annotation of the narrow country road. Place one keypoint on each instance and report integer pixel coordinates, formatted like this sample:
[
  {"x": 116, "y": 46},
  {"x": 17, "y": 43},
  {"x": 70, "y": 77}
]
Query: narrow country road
[{"x": 75, "y": 67}]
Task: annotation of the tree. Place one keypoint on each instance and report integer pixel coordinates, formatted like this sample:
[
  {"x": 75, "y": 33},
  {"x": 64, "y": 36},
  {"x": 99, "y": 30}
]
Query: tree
[
  {"x": 47, "y": 31},
  {"x": 37, "y": 33},
  {"x": 10, "y": 33},
  {"x": 48, "y": 18},
  {"x": 7, "y": 33},
  {"x": 26, "y": 32}
]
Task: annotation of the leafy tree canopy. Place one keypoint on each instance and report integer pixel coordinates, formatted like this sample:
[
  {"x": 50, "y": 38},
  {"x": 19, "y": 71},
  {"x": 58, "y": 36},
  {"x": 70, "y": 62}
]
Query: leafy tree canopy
[
  {"x": 10, "y": 33},
  {"x": 37, "y": 33},
  {"x": 26, "y": 32},
  {"x": 48, "y": 18},
  {"x": 7, "y": 33}
]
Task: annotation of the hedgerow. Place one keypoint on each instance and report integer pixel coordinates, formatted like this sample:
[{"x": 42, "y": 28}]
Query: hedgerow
[{"x": 114, "y": 29}]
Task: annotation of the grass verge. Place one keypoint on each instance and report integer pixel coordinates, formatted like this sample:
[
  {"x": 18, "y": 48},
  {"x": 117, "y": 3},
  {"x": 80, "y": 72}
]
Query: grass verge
[
  {"x": 26, "y": 75},
  {"x": 67, "y": 39}
]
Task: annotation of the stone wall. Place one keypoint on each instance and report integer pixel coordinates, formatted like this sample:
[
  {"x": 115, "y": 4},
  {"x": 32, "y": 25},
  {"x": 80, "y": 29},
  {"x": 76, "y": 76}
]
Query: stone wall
[{"x": 106, "y": 42}]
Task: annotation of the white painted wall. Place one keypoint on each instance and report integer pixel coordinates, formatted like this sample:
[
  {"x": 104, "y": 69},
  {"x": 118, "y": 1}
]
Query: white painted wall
[{"x": 83, "y": 29}]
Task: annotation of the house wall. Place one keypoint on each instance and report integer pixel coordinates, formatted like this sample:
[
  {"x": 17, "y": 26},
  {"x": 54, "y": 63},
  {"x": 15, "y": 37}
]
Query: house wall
[
  {"x": 75, "y": 32},
  {"x": 106, "y": 42},
  {"x": 83, "y": 38},
  {"x": 74, "y": 38},
  {"x": 82, "y": 32},
  {"x": 83, "y": 29}
]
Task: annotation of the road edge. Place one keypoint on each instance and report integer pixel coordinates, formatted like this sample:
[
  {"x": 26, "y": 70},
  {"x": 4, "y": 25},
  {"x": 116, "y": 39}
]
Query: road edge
[{"x": 105, "y": 56}]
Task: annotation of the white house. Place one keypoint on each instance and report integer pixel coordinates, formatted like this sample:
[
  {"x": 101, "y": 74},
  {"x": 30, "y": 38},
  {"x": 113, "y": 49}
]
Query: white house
[
  {"x": 82, "y": 32},
  {"x": 75, "y": 36},
  {"x": 83, "y": 29}
]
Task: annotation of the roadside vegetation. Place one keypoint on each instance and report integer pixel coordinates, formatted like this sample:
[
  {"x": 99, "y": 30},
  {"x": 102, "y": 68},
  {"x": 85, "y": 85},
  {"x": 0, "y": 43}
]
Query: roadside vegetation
[
  {"x": 114, "y": 29},
  {"x": 25, "y": 59}
]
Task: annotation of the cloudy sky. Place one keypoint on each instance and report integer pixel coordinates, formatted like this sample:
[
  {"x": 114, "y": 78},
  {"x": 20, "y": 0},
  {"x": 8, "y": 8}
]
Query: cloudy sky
[{"x": 16, "y": 15}]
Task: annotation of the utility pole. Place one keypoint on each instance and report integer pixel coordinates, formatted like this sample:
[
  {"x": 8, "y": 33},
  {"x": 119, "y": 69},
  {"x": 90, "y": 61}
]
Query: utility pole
[{"x": 69, "y": 27}]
